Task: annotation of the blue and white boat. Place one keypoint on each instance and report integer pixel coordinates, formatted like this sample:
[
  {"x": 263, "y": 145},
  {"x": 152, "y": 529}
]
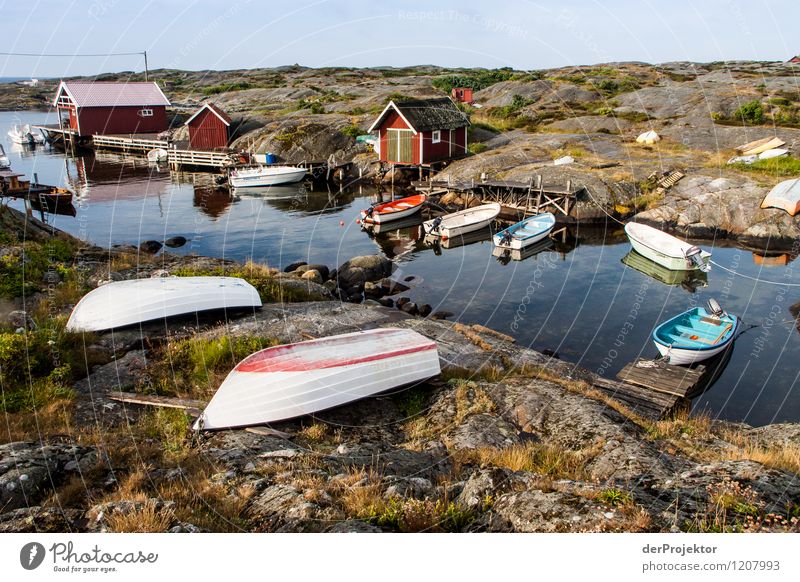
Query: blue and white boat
[
  {"x": 696, "y": 335},
  {"x": 526, "y": 232}
]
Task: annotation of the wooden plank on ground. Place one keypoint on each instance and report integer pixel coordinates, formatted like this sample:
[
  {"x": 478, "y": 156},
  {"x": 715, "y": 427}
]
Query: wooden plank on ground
[
  {"x": 193, "y": 407},
  {"x": 649, "y": 404},
  {"x": 267, "y": 431},
  {"x": 662, "y": 377}
]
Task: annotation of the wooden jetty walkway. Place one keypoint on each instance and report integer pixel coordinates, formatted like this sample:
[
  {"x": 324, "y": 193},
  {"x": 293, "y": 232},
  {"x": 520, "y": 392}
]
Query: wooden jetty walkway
[
  {"x": 655, "y": 389},
  {"x": 516, "y": 197}
]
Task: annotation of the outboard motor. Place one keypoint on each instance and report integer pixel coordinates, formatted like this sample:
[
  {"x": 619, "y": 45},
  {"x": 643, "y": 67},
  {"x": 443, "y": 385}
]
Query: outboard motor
[
  {"x": 369, "y": 211},
  {"x": 694, "y": 254},
  {"x": 436, "y": 222},
  {"x": 714, "y": 308},
  {"x": 506, "y": 239}
]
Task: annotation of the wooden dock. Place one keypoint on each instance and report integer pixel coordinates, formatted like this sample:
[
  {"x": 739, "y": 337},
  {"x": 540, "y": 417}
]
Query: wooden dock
[
  {"x": 656, "y": 389},
  {"x": 516, "y": 197},
  {"x": 177, "y": 156}
]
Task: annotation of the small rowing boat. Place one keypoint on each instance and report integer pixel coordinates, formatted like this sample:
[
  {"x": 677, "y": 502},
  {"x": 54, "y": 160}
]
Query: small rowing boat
[
  {"x": 124, "y": 303},
  {"x": 462, "y": 222},
  {"x": 288, "y": 381},
  {"x": 665, "y": 249},
  {"x": 696, "y": 335},
  {"x": 526, "y": 232},
  {"x": 266, "y": 176},
  {"x": 394, "y": 210}
]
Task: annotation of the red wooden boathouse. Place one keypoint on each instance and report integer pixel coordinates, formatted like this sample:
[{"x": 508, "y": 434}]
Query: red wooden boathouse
[
  {"x": 461, "y": 94},
  {"x": 421, "y": 131},
  {"x": 209, "y": 128},
  {"x": 106, "y": 108}
]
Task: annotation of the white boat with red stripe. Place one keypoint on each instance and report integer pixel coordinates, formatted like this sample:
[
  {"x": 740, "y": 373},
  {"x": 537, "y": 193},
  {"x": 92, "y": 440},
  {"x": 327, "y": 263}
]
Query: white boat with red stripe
[{"x": 288, "y": 381}]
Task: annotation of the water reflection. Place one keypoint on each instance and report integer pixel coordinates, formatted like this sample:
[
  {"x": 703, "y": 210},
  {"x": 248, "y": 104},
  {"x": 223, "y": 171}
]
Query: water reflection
[
  {"x": 689, "y": 280},
  {"x": 773, "y": 259},
  {"x": 504, "y": 256}
]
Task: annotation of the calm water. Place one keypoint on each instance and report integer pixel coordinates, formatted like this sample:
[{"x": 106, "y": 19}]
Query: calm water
[{"x": 577, "y": 298}]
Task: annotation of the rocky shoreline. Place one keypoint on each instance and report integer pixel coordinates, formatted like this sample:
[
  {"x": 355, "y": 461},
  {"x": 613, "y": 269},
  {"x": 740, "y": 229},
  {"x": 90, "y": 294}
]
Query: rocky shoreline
[{"x": 506, "y": 439}]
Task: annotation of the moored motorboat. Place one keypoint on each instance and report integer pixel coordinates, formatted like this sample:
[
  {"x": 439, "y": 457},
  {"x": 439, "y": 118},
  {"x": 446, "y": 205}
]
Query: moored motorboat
[
  {"x": 462, "y": 222},
  {"x": 394, "y": 210},
  {"x": 526, "y": 232},
  {"x": 266, "y": 176},
  {"x": 696, "y": 335},
  {"x": 20, "y": 134},
  {"x": 665, "y": 249},
  {"x": 288, "y": 381},
  {"x": 122, "y": 303},
  {"x": 157, "y": 155}
]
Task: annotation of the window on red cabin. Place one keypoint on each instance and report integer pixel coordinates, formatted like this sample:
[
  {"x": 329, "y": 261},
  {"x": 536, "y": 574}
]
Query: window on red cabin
[
  {"x": 146, "y": 113},
  {"x": 436, "y": 136}
]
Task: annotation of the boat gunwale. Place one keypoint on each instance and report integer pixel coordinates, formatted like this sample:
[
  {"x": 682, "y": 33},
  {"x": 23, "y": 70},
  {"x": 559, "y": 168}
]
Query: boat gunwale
[{"x": 727, "y": 338}]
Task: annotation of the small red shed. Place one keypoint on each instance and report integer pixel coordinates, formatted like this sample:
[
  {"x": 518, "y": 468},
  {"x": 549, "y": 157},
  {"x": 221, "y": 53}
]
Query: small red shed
[
  {"x": 209, "y": 128},
  {"x": 795, "y": 59},
  {"x": 101, "y": 108},
  {"x": 461, "y": 94},
  {"x": 421, "y": 131}
]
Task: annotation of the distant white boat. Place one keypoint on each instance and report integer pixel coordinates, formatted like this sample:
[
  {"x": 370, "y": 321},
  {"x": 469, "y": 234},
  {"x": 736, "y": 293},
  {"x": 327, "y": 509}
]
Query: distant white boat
[
  {"x": 20, "y": 134},
  {"x": 462, "y": 222},
  {"x": 665, "y": 249},
  {"x": 288, "y": 381},
  {"x": 124, "y": 303},
  {"x": 266, "y": 176},
  {"x": 157, "y": 155}
]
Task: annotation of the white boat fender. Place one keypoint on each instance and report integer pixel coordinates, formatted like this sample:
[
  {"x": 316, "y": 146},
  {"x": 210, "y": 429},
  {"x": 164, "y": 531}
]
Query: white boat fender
[{"x": 694, "y": 254}]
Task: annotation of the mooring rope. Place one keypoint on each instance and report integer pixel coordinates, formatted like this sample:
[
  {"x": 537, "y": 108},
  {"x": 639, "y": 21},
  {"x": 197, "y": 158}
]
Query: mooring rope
[{"x": 756, "y": 279}]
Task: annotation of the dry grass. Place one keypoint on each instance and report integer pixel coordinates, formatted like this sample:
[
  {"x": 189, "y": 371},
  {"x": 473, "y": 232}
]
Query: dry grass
[
  {"x": 147, "y": 519},
  {"x": 471, "y": 399},
  {"x": 785, "y": 456},
  {"x": 548, "y": 460},
  {"x": 315, "y": 433}
]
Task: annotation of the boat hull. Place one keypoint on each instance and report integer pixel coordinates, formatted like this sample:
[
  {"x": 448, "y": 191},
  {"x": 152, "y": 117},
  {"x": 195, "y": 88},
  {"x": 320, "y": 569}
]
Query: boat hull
[
  {"x": 123, "y": 303},
  {"x": 464, "y": 222},
  {"x": 289, "y": 381},
  {"x": 378, "y": 217},
  {"x": 694, "y": 336},
  {"x": 517, "y": 242},
  {"x": 263, "y": 180},
  {"x": 668, "y": 255},
  {"x": 684, "y": 357}
]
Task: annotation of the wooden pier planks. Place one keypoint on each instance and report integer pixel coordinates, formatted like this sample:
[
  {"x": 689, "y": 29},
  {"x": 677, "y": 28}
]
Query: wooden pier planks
[
  {"x": 643, "y": 401},
  {"x": 661, "y": 377}
]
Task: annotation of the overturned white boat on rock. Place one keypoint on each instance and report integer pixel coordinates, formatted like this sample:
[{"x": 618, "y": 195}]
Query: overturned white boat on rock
[
  {"x": 123, "y": 303},
  {"x": 293, "y": 380}
]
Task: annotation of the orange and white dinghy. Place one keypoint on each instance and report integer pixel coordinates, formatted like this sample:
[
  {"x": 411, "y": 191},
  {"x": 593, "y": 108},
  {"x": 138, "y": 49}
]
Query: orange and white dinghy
[
  {"x": 288, "y": 381},
  {"x": 394, "y": 210}
]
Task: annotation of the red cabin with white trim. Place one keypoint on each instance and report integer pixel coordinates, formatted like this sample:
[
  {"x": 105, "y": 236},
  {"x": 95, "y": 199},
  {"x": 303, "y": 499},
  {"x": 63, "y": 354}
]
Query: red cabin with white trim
[
  {"x": 105, "y": 108},
  {"x": 209, "y": 128},
  {"x": 421, "y": 131}
]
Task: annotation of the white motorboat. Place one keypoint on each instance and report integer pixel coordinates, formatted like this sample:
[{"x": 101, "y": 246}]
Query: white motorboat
[
  {"x": 462, "y": 222},
  {"x": 667, "y": 250},
  {"x": 696, "y": 335},
  {"x": 266, "y": 176},
  {"x": 124, "y": 303},
  {"x": 288, "y": 381},
  {"x": 157, "y": 155},
  {"x": 20, "y": 134},
  {"x": 526, "y": 232}
]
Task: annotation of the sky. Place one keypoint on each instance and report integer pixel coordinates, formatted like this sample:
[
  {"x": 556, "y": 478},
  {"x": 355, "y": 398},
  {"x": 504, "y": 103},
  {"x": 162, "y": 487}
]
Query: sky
[{"x": 201, "y": 34}]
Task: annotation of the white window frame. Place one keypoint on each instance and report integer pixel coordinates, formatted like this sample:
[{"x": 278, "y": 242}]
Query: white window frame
[
  {"x": 145, "y": 113},
  {"x": 436, "y": 136}
]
